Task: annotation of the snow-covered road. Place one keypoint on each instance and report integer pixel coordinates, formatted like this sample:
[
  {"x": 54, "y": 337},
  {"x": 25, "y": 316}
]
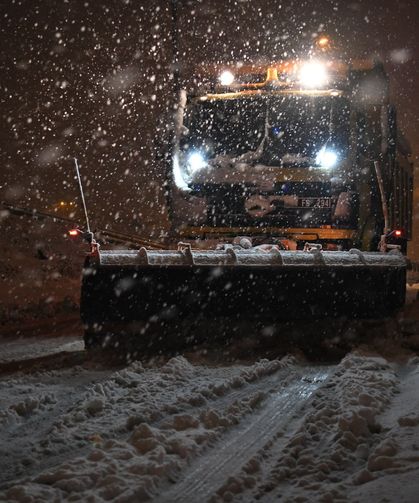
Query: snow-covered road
[
  {"x": 191, "y": 430},
  {"x": 212, "y": 425}
]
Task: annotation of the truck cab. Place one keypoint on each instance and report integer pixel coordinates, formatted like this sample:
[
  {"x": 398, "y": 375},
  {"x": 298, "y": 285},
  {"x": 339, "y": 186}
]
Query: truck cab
[{"x": 287, "y": 150}]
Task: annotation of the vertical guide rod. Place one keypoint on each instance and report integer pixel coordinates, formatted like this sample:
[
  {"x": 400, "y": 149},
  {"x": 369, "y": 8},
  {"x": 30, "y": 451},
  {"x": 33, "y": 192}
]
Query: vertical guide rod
[
  {"x": 384, "y": 206},
  {"x": 82, "y": 195}
]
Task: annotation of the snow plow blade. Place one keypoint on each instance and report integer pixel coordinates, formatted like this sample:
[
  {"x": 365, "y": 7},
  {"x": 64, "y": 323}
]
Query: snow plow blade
[{"x": 143, "y": 292}]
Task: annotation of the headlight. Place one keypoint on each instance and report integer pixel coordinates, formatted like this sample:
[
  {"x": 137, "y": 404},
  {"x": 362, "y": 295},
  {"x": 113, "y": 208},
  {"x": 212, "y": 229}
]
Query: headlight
[
  {"x": 313, "y": 75},
  {"x": 196, "y": 162},
  {"x": 226, "y": 78},
  {"x": 326, "y": 158}
]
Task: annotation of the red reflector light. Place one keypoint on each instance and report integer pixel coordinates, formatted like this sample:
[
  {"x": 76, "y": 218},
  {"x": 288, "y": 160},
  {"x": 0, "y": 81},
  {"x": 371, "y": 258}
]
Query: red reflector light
[
  {"x": 73, "y": 232},
  {"x": 398, "y": 233}
]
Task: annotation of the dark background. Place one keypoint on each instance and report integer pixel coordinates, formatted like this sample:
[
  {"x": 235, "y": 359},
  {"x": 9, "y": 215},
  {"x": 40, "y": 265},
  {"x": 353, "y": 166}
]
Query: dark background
[{"x": 90, "y": 79}]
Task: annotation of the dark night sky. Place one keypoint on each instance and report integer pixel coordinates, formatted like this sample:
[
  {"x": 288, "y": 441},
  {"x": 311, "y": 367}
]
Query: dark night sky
[{"x": 91, "y": 78}]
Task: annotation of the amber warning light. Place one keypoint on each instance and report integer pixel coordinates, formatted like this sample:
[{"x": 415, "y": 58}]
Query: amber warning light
[
  {"x": 323, "y": 41},
  {"x": 74, "y": 232}
]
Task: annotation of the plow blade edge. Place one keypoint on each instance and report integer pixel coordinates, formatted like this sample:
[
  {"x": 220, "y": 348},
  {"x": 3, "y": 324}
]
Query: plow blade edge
[{"x": 133, "y": 291}]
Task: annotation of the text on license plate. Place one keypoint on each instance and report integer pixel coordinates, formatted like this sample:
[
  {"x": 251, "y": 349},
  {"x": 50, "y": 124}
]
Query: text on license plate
[{"x": 315, "y": 202}]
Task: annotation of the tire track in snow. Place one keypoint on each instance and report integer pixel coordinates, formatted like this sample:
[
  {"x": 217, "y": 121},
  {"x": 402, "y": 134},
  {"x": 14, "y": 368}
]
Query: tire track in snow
[{"x": 231, "y": 453}]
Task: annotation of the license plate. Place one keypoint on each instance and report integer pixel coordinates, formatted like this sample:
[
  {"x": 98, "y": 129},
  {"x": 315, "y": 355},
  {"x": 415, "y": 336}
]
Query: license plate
[{"x": 315, "y": 202}]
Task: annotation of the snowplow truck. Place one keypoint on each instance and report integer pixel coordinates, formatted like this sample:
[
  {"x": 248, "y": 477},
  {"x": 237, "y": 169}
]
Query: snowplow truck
[{"x": 289, "y": 191}]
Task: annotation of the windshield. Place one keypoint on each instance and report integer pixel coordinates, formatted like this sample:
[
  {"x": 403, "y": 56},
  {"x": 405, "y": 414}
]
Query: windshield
[{"x": 284, "y": 129}]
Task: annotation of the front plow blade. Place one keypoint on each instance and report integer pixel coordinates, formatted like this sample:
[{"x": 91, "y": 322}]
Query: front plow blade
[{"x": 143, "y": 292}]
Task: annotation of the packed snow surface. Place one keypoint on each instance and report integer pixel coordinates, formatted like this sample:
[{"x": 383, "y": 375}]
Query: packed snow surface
[
  {"x": 191, "y": 430},
  {"x": 35, "y": 347}
]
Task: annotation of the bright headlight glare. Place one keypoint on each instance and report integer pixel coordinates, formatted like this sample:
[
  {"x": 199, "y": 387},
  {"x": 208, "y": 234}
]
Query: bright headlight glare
[
  {"x": 313, "y": 75},
  {"x": 226, "y": 78},
  {"x": 196, "y": 162},
  {"x": 326, "y": 158}
]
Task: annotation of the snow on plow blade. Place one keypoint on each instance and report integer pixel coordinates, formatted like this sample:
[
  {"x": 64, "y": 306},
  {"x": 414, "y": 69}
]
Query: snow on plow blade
[{"x": 131, "y": 291}]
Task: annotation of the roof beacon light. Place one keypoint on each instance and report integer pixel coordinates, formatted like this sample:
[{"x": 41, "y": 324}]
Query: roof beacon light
[
  {"x": 226, "y": 78},
  {"x": 323, "y": 42},
  {"x": 313, "y": 75}
]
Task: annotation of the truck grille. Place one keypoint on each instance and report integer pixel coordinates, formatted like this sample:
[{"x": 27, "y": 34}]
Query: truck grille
[{"x": 237, "y": 205}]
